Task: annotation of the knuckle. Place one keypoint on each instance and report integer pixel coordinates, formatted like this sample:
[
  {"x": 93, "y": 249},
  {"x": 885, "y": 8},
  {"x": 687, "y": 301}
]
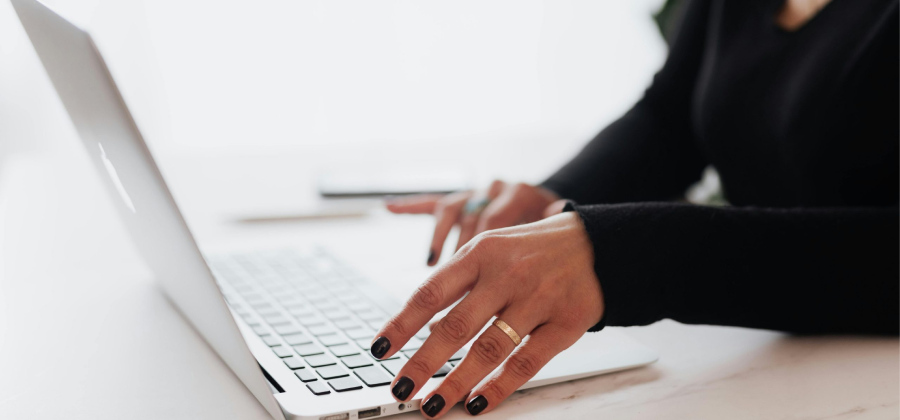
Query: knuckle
[
  {"x": 454, "y": 327},
  {"x": 415, "y": 367},
  {"x": 488, "y": 349},
  {"x": 452, "y": 386},
  {"x": 485, "y": 241},
  {"x": 523, "y": 365},
  {"x": 521, "y": 188},
  {"x": 428, "y": 296},
  {"x": 492, "y": 388}
]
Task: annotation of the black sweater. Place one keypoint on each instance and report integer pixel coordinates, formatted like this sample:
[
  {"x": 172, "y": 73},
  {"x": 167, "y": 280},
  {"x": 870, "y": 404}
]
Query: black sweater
[{"x": 803, "y": 129}]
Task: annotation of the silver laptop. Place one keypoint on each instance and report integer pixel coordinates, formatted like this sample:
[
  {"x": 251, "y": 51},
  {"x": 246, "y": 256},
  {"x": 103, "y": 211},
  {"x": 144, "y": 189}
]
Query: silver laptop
[{"x": 294, "y": 327}]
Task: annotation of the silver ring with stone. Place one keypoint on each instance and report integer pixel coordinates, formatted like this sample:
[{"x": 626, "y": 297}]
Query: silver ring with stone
[{"x": 476, "y": 204}]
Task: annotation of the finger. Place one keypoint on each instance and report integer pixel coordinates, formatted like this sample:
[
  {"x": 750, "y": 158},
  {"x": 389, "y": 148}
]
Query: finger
[
  {"x": 495, "y": 189},
  {"x": 545, "y": 342},
  {"x": 466, "y": 229},
  {"x": 446, "y": 213},
  {"x": 488, "y": 351},
  {"x": 444, "y": 287},
  {"x": 415, "y": 204},
  {"x": 470, "y": 221},
  {"x": 451, "y": 333}
]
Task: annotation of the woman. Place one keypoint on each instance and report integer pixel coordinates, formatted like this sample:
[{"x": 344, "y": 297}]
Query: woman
[{"x": 795, "y": 103}]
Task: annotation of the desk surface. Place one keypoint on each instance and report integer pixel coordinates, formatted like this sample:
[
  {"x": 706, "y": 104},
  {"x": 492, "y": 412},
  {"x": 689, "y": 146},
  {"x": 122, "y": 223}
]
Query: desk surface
[{"x": 86, "y": 334}]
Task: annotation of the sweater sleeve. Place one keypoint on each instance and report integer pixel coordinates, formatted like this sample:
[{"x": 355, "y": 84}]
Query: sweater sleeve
[
  {"x": 648, "y": 154},
  {"x": 827, "y": 270}
]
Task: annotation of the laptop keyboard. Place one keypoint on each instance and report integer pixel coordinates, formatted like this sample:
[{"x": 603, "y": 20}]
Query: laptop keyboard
[{"x": 308, "y": 309}]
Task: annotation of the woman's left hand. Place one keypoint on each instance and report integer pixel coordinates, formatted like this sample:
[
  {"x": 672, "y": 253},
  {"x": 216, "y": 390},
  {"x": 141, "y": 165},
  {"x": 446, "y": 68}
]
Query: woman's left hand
[{"x": 538, "y": 278}]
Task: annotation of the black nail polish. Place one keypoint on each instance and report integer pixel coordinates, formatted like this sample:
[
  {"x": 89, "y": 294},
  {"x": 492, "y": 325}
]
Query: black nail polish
[
  {"x": 431, "y": 257},
  {"x": 476, "y": 405},
  {"x": 403, "y": 388},
  {"x": 434, "y": 405},
  {"x": 380, "y": 347}
]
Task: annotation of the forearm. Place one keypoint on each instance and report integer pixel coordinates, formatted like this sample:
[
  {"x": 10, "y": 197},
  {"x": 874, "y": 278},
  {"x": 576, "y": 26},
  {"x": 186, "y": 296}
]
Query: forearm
[
  {"x": 640, "y": 157},
  {"x": 798, "y": 270}
]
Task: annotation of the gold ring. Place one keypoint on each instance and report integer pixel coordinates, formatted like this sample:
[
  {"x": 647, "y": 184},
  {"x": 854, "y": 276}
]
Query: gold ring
[{"x": 508, "y": 330}]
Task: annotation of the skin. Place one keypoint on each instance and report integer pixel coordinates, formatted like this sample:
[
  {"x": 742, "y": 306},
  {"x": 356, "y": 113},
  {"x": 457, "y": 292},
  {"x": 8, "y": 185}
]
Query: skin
[
  {"x": 511, "y": 204},
  {"x": 536, "y": 275},
  {"x": 505, "y": 272}
]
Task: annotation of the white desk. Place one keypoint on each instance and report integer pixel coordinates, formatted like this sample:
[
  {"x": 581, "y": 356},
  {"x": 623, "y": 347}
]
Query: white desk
[{"x": 86, "y": 334}]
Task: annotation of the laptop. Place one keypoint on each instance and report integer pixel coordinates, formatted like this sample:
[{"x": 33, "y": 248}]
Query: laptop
[{"x": 295, "y": 327}]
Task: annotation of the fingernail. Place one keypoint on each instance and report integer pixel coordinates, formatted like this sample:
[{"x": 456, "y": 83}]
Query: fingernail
[
  {"x": 403, "y": 388},
  {"x": 476, "y": 405},
  {"x": 434, "y": 405},
  {"x": 380, "y": 347},
  {"x": 431, "y": 257}
]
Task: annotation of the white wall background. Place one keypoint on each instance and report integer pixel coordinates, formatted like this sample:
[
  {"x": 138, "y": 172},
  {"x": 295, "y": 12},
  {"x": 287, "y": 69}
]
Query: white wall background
[{"x": 278, "y": 74}]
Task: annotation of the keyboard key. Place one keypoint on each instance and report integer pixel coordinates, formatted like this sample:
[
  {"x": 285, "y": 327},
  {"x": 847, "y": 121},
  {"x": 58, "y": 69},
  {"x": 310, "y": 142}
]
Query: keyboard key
[
  {"x": 393, "y": 366},
  {"x": 364, "y": 344},
  {"x": 294, "y": 362},
  {"x": 372, "y": 376},
  {"x": 302, "y": 312},
  {"x": 321, "y": 330},
  {"x": 347, "y": 324},
  {"x": 356, "y": 361},
  {"x": 271, "y": 341},
  {"x": 260, "y": 330},
  {"x": 443, "y": 371},
  {"x": 423, "y": 333},
  {"x": 345, "y": 384},
  {"x": 319, "y": 360},
  {"x": 274, "y": 320},
  {"x": 336, "y": 313},
  {"x": 358, "y": 333},
  {"x": 268, "y": 312},
  {"x": 377, "y": 324},
  {"x": 370, "y": 315},
  {"x": 458, "y": 355},
  {"x": 311, "y": 321},
  {"x": 358, "y": 306},
  {"x": 282, "y": 351},
  {"x": 306, "y": 375},
  {"x": 332, "y": 340},
  {"x": 292, "y": 303},
  {"x": 350, "y": 298},
  {"x": 318, "y": 388},
  {"x": 413, "y": 344},
  {"x": 331, "y": 372},
  {"x": 295, "y": 339},
  {"x": 287, "y": 329},
  {"x": 344, "y": 350},
  {"x": 257, "y": 301},
  {"x": 308, "y": 349}
]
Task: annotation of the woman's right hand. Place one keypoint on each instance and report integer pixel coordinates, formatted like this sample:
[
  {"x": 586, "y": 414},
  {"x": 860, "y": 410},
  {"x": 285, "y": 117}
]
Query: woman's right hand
[{"x": 509, "y": 205}]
